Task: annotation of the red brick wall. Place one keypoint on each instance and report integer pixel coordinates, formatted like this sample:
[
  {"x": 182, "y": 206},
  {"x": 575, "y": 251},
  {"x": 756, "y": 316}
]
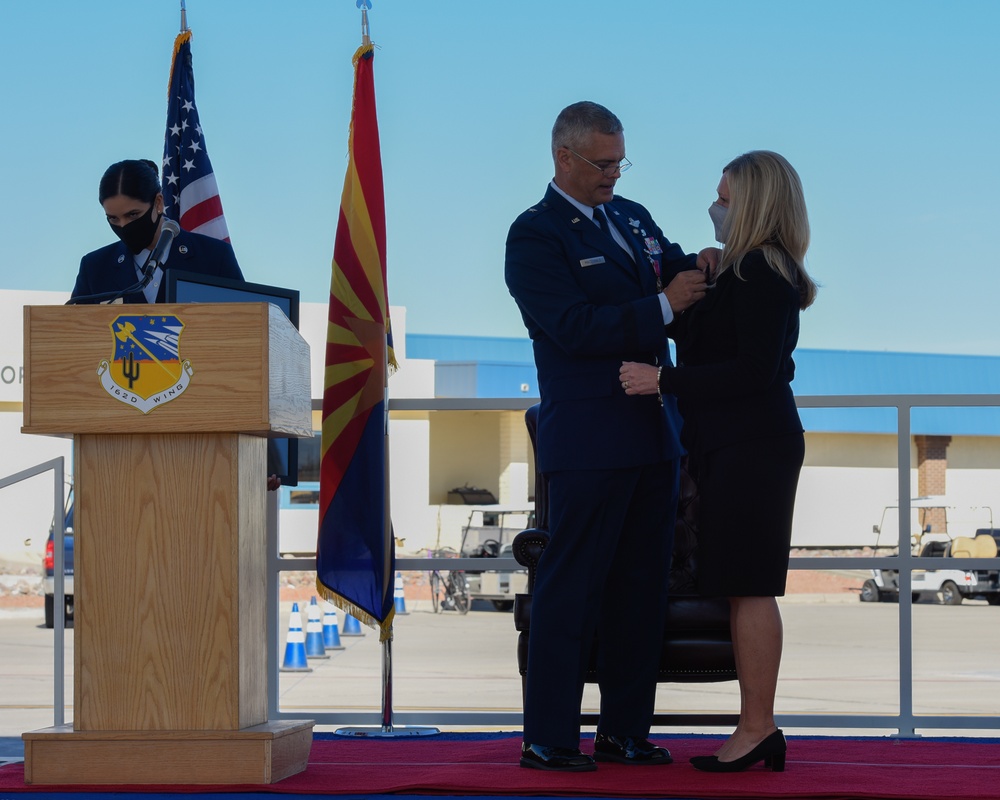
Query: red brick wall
[{"x": 932, "y": 469}]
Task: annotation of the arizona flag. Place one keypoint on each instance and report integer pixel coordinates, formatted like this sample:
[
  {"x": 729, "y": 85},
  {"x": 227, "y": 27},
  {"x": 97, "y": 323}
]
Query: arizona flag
[
  {"x": 355, "y": 554},
  {"x": 190, "y": 193}
]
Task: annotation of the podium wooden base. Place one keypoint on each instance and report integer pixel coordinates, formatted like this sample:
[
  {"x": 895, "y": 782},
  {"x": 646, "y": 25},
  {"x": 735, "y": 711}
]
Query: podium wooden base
[
  {"x": 170, "y": 645},
  {"x": 260, "y": 754}
]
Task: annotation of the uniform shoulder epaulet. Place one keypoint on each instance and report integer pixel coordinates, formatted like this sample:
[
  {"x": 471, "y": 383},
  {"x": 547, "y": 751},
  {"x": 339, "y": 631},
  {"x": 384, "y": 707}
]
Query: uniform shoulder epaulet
[{"x": 537, "y": 210}]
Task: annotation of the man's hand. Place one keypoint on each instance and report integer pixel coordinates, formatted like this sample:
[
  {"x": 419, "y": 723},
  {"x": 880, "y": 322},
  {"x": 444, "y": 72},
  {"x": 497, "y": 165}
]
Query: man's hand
[
  {"x": 686, "y": 289},
  {"x": 708, "y": 261}
]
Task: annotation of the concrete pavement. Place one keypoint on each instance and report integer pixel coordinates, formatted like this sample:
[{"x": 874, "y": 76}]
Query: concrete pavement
[{"x": 840, "y": 658}]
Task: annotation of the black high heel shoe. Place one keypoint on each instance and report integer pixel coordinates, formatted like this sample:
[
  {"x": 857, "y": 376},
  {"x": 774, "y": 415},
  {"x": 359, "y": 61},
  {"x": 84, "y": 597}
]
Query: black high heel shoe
[{"x": 771, "y": 751}]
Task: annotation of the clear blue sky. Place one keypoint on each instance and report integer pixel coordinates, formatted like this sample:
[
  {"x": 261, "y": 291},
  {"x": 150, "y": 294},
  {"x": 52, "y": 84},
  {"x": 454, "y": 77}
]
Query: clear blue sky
[{"x": 888, "y": 109}]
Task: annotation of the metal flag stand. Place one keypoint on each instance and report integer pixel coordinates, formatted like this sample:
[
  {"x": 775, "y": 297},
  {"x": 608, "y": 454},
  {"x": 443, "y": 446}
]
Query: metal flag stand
[{"x": 387, "y": 729}]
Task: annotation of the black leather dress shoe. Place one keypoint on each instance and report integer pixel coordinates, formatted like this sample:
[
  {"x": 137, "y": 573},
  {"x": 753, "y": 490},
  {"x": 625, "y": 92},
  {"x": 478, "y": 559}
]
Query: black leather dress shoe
[
  {"x": 628, "y": 750},
  {"x": 557, "y": 759}
]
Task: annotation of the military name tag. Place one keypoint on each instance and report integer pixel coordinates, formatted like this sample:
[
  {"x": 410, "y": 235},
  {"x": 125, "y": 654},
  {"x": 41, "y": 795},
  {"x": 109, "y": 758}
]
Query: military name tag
[{"x": 591, "y": 262}]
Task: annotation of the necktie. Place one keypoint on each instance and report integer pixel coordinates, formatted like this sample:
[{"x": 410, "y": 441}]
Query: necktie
[
  {"x": 602, "y": 220},
  {"x": 605, "y": 225}
]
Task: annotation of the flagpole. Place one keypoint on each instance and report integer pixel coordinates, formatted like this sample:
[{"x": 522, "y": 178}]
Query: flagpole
[
  {"x": 386, "y": 729},
  {"x": 387, "y": 531},
  {"x": 184, "y": 21},
  {"x": 364, "y": 5}
]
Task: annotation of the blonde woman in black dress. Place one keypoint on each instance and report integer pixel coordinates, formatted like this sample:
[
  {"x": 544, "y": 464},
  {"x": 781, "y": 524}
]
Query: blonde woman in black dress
[{"x": 742, "y": 429}]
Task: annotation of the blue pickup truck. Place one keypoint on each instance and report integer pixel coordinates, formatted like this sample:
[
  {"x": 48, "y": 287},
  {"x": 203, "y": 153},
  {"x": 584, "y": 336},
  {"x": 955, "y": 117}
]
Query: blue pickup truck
[{"x": 49, "y": 564}]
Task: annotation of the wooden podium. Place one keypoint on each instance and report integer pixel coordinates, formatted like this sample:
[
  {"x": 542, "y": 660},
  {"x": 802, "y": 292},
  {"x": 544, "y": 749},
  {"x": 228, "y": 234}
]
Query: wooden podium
[{"x": 170, "y": 407}]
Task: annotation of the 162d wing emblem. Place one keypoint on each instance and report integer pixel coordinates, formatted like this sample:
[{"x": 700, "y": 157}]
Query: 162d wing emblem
[{"x": 146, "y": 369}]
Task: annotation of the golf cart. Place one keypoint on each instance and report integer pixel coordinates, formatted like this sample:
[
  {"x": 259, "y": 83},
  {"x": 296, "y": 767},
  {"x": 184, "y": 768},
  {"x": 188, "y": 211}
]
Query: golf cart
[
  {"x": 969, "y": 533},
  {"x": 488, "y": 534}
]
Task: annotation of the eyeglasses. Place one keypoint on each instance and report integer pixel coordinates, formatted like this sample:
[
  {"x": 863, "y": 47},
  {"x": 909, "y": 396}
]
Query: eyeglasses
[{"x": 608, "y": 170}]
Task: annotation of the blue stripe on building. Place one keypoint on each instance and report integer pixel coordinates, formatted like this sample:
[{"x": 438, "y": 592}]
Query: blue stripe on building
[{"x": 483, "y": 366}]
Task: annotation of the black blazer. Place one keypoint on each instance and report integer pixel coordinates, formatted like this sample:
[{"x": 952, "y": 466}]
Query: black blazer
[
  {"x": 112, "y": 268},
  {"x": 588, "y": 307},
  {"x": 734, "y": 359}
]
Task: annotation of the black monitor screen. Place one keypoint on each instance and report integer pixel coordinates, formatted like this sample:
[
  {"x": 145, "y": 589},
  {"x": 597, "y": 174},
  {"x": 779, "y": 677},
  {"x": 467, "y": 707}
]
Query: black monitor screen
[{"x": 190, "y": 287}]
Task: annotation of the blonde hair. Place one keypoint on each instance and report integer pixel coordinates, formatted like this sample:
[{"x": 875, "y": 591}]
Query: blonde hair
[{"x": 767, "y": 212}]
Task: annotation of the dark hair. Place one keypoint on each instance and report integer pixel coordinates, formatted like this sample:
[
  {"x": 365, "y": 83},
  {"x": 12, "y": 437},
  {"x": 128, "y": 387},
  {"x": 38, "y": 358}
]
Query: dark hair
[
  {"x": 576, "y": 122},
  {"x": 138, "y": 179}
]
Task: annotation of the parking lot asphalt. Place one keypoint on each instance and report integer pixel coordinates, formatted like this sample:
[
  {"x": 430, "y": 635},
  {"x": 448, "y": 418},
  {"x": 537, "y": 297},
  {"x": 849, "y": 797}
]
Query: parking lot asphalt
[{"x": 840, "y": 658}]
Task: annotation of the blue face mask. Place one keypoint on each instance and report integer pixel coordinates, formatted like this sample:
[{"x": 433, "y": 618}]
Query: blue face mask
[
  {"x": 139, "y": 233},
  {"x": 720, "y": 218}
]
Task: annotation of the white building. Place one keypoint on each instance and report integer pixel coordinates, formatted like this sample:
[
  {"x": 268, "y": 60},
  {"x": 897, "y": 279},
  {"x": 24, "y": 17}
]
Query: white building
[{"x": 849, "y": 476}]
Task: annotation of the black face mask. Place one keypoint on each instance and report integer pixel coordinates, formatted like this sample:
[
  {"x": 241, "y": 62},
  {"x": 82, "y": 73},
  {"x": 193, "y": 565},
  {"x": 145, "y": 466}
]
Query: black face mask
[{"x": 138, "y": 234}]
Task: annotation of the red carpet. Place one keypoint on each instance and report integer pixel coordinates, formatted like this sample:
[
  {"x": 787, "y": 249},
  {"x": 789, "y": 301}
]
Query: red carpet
[{"x": 481, "y": 764}]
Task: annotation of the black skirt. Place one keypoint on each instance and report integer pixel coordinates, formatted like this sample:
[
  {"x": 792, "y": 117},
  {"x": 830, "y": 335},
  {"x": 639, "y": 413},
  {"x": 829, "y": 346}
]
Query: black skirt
[{"x": 746, "y": 496}]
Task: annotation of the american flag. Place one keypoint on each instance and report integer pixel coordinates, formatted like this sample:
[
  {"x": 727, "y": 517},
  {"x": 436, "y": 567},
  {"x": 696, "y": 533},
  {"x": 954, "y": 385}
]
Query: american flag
[{"x": 190, "y": 193}]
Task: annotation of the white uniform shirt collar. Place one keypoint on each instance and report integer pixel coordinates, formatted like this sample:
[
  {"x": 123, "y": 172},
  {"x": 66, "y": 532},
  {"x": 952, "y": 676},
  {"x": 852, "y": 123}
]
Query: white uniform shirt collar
[
  {"x": 586, "y": 210},
  {"x": 153, "y": 287}
]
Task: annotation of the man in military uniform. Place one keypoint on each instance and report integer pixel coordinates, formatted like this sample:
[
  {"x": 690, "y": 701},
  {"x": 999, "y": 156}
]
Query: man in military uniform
[{"x": 596, "y": 282}]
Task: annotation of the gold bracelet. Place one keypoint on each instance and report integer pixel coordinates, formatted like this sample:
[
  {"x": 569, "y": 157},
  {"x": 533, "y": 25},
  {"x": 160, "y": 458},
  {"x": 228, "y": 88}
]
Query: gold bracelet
[{"x": 659, "y": 393}]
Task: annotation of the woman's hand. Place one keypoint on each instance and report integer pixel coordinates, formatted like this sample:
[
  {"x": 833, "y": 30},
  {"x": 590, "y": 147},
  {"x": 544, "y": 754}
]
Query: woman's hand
[{"x": 638, "y": 378}]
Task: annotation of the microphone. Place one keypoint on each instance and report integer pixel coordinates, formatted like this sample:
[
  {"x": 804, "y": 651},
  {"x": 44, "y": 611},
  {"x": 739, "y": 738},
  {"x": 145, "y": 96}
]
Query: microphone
[{"x": 160, "y": 250}]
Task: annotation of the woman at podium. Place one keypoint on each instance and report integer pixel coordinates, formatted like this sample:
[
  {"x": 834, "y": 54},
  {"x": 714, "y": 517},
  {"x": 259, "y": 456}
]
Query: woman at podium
[{"x": 132, "y": 199}]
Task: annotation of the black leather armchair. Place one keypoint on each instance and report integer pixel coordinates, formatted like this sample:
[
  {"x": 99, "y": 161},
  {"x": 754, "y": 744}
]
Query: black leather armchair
[{"x": 697, "y": 644}]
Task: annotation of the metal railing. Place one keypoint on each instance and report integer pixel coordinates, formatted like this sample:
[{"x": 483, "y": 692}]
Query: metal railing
[
  {"x": 906, "y": 722},
  {"x": 58, "y": 467}
]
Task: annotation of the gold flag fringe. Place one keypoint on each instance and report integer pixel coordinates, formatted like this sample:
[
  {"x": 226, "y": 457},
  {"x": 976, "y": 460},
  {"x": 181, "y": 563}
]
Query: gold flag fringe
[
  {"x": 393, "y": 363},
  {"x": 182, "y": 37},
  {"x": 384, "y": 628}
]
